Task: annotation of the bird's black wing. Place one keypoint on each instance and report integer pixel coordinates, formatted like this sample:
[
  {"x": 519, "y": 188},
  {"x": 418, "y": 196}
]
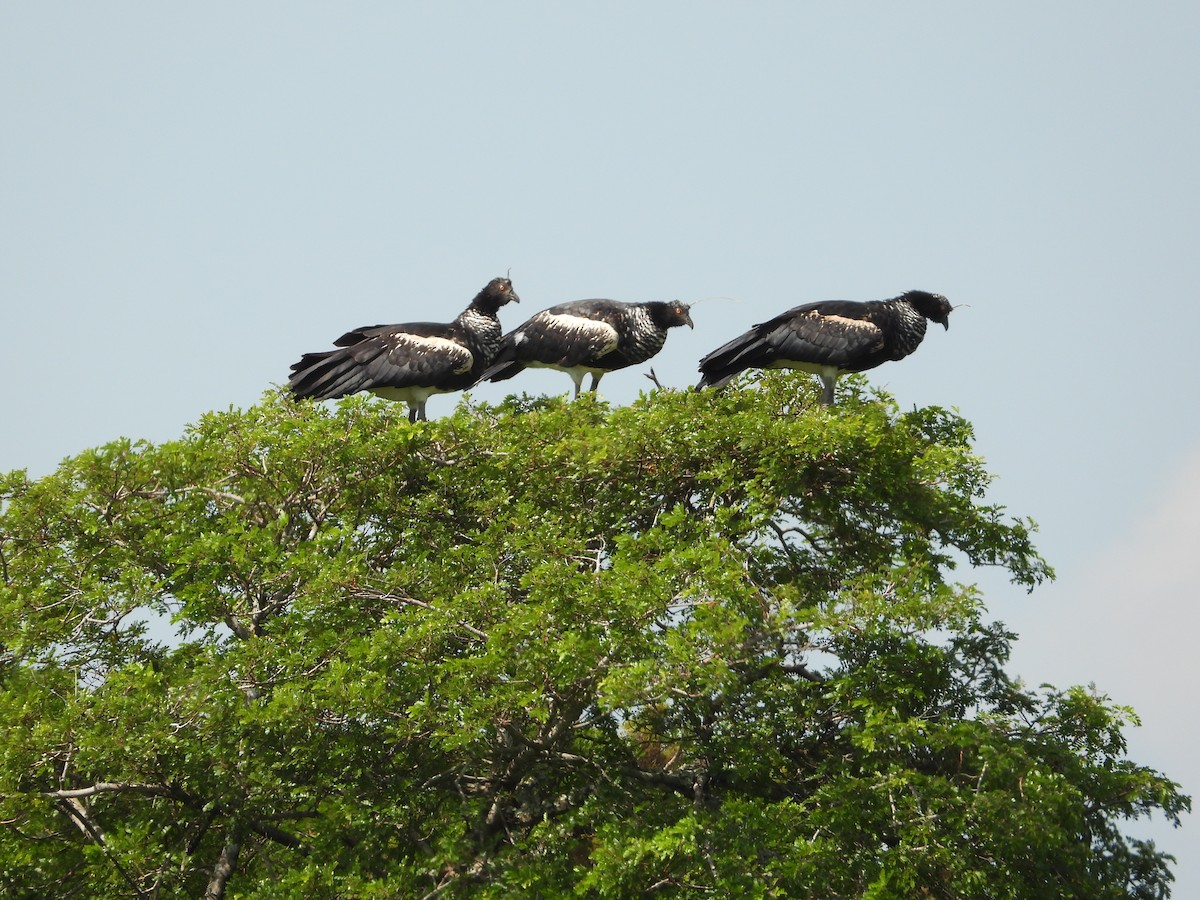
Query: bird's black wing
[
  {"x": 504, "y": 364},
  {"x": 824, "y": 334},
  {"x": 829, "y": 333},
  {"x": 572, "y": 334},
  {"x": 416, "y": 329},
  {"x": 383, "y": 356}
]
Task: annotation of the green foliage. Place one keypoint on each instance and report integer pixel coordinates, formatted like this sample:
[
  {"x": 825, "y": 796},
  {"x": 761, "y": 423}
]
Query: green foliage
[{"x": 707, "y": 642}]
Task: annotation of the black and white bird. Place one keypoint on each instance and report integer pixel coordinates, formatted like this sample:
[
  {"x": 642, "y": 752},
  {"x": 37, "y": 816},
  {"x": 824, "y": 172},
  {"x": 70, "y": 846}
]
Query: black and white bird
[
  {"x": 409, "y": 362},
  {"x": 830, "y": 338},
  {"x": 588, "y": 337}
]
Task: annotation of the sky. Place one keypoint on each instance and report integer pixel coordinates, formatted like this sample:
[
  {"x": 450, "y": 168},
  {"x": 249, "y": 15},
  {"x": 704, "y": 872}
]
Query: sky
[{"x": 192, "y": 196}]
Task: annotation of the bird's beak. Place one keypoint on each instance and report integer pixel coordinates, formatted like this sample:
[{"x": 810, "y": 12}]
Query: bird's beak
[{"x": 687, "y": 317}]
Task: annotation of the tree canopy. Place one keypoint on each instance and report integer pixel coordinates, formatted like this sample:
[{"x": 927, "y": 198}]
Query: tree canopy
[{"x": 707, "y": 643}]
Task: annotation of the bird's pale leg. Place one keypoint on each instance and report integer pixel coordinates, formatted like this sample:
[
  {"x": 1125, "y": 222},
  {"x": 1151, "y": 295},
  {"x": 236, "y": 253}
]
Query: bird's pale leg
[
  {"x": 827, "y": 394},
  {"x": 595, "y": 382}
]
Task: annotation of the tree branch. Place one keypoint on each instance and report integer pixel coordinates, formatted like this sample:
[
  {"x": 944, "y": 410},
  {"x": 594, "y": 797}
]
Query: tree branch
[
  {"x": 114, "y": 787},
  {"x": 77, "y": 812},
  {"x": 413, "y": 601},
  {"x": 226, "y": 865},
  {"x": 803, "y": 671},
  {"x": 279, "y": 836},
  {"x": 682, "y": 784}
]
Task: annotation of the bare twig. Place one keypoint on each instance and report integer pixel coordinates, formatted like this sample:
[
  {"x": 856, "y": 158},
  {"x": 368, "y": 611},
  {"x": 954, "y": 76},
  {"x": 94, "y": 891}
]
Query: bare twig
[
  {"x": 413, "y": 601},
  {"x": 78, "y": 813},
  {"x": 112, "y": 787}
]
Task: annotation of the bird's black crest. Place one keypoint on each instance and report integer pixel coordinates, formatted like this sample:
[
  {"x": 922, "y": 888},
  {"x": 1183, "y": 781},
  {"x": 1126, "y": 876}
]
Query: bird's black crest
[
  {"x": 495, "y": 294},
  {"x": 672, "y": 313},
  {"x": 934, "y": 307}
]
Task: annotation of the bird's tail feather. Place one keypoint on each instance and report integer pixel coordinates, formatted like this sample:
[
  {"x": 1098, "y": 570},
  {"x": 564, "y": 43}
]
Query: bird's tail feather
[
  {"x": 504, "y": 364},
  {"x": 728, "y": 360},
  {"x": 502, "y": 371},
  {"x": 325, "y": 376},
  {"x": 714, "y": 381}
]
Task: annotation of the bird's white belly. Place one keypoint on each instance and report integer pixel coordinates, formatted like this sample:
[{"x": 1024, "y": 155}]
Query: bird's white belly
[
  {"x": 415, "y": 394},
  {"x": 570, "y": 370},
  {"x": 815, "y": 368}
]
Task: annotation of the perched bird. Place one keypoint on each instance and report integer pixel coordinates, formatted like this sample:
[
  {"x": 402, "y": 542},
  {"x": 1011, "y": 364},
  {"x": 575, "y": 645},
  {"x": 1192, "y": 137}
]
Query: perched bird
[
  {"x": 830, "y": 338},
  {"x": 588, "y": 337},
  {"x": 409, "y": 362}
]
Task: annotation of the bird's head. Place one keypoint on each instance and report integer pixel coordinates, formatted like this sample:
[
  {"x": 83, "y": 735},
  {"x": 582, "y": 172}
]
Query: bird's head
[
  {"x": 495, "y": 294},
  {"x": 672, "y": 314},
  {"x": 934, "y": 307}
]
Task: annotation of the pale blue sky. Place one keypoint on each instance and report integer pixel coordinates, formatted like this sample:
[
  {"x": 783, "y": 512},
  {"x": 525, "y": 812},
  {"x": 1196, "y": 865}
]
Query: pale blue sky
[{"x": 190, "y": 197}]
